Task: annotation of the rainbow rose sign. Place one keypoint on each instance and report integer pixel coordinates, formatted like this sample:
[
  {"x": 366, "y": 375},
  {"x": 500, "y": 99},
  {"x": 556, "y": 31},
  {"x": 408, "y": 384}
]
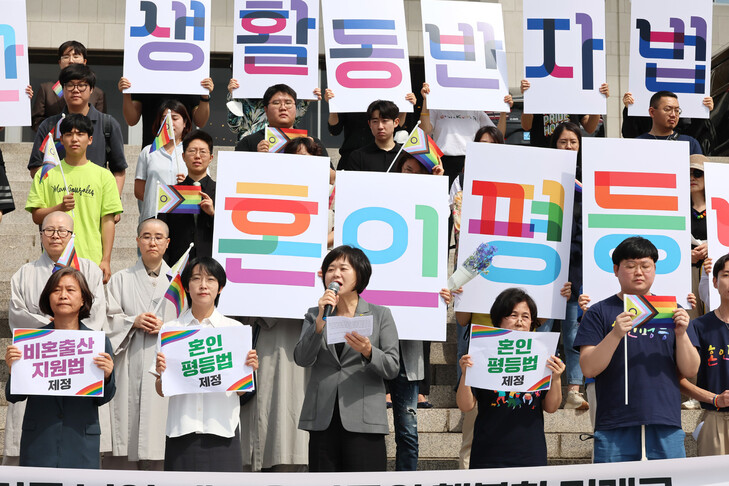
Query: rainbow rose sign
[
  {"x": 58, "y": 362},
  {"x": 636, "y": 188},
  {"x": 518, "y": 200},
  {"x": 400, "y": 221},
  {"x": 366, "y": 53},
  {"x": 270, "y": 235},
  {"x": 510, "y": 361},
  {"x": 206, "y": 359}
]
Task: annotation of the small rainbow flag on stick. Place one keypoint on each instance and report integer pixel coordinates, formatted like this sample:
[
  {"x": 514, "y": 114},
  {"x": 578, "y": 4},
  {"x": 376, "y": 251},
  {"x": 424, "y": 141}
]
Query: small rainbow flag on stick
[
  {"x": 656, "y": 309},
  {"x": 176, "y": 292},
  {"x": 68, "y": 258},
  {"x": 423, "y": 148},
  {"x": 279, "y": 137},
  {"x": 58, "y": 89},
  {"x": 178, "y": 199},
  {"x": 165, "y": 134},
  {"x": 50, "y": 156}
]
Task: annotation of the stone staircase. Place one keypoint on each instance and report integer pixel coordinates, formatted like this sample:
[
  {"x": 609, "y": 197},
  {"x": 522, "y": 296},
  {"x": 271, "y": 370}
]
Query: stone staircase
[{"x": 439, "y": 427}]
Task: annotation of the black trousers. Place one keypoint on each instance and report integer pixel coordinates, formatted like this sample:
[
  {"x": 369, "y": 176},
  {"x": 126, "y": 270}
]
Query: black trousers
[
  {"x": 204, "y": 452},
  {"x": 338, "y": 450}
]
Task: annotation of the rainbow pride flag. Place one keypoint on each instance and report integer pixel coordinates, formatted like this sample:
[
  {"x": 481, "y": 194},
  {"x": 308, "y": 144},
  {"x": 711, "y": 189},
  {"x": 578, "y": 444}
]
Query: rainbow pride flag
[
  {"x": 279, "y": 137},
  {"x": 58, "y": 89},
  {"x": 93, "y": 390},
  {"x": 176, "y": 294},
  {"x": 178, "y": 199},
  {"x": 656, "y": 309},
  {"x": 423, "y": 148},
  {"x": 165, "y": 134},
  {"x": 50, "y": 156},
  {"x": 478, "y": 331},
  {"x": 68, "y": 258}
]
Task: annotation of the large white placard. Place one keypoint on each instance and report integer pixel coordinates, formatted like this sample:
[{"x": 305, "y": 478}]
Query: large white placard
[
  {"x": 58, "y": 362},
  {"x": 14, "y": 77},
  {"x": 564, "y": 56},
  {"x": 717, "y": 218},
  {"x": 519, "y": 200},
  {"x": 465, "y": 55},
  {"x": 513, "y": 361},
  {"x": 367, "y": 53},
  {"x": 270, "y": 232},
  {"x": 401, "y": 222},
  {"x": 670, "y": 49},
  {"x": 276, "y": 42},
  {"x": 636, "y": 188},
  {"x": 206, "y": 359},
  {"x": 167, "y": 46}
]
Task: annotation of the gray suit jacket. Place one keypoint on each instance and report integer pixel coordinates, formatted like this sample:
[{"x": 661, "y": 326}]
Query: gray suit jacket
[{"x": 356, "y": 383}]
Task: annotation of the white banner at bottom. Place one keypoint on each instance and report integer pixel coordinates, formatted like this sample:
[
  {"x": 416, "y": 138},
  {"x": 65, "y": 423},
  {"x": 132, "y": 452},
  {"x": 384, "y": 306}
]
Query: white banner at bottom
[{"x": 697, "y": 471}]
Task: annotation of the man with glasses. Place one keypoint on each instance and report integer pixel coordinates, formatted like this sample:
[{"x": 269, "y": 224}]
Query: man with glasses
[
  {"x": 83, "y": 189},
  {"x": 197, "y": 152},
  {"x": 49, "y": 102},
  {"x": 138, "y": 414},
  {"x": 78, "y": 83},
  {"x": 647, "y": 423},
  {"x": 665, "y": 112},
  {"x": 279, "y": 104},
  {"x": 24, "y": 313}
]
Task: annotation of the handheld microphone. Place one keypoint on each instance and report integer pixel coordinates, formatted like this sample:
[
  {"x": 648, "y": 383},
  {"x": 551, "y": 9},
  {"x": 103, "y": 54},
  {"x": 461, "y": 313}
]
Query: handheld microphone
[{"x": 328, "y": 308}]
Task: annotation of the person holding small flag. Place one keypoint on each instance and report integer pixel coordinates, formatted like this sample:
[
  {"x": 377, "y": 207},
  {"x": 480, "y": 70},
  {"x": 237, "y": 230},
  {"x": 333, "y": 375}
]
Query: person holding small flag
[
  {"x": 188, "y": 208},
  {"x": 136, "y": 311},
  {"x": 647, "y": 423},
  {"x": 82, "y": 188},
  {"x": 203, "y": 430},
  {"x": 26, "y": 286},
  {"x": 161, "y": 161}
]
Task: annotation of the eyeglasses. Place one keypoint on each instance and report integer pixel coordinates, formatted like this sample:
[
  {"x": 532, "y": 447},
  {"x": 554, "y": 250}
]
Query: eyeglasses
[
  {"x": 516, "y": 318},
  {"x": 74, "y": 57},
  {"x": 202, "y": 152},
  {"x": 76, "y": 87},
  {"x": 697, "y": 173},
  {"x": 668, "y": 110},
  {"x": 62, "y": 233},
  {"x": 149, "y": 238},
  {"x": 645, "y": 267},
  {"x": 285, "y": 103}
]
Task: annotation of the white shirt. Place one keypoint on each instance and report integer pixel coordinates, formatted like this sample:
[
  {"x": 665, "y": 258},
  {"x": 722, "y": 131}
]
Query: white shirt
[
  {"x": 203, "y": 413},
  {"x": 452, "y": 129},
  {"x": 158, "y": 166}
]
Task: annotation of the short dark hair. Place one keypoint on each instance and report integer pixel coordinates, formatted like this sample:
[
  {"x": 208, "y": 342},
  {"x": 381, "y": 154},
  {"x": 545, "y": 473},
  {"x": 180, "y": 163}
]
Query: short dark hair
[
  {"x": 75, "y": 46},
  {"x": 197, "y": 135},
  {"x": 80, "y": 122},
  {"x": 656, "y": 98},
  {"x": 77, "y": 72},
  {"x": 177, "y": 107},
  {"x": 387, "y": 109},
  {"x": 505, "y": 302},
  {"x": 311, "y": 146},
  {"x": 495, "y": 133},
  {"x": 45, "y": 298},
  {"x": 211, "y": 267},
  {"x": 719, "y": 265},
  {"x": 278, "y": 88},
  {"x": 562, "y": 127},
  {"x": 634, "y": 248},
  {"x": 356, "y": 258}
]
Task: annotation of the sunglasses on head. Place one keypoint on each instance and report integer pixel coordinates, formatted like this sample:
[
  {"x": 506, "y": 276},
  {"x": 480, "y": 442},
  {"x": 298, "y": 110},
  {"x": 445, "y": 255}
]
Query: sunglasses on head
[{"x": 697, "y": 173}]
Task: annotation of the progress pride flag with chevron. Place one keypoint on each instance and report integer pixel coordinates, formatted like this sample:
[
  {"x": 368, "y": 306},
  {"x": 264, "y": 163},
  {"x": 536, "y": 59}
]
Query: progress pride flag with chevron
[{"x": 636, "y": 188}]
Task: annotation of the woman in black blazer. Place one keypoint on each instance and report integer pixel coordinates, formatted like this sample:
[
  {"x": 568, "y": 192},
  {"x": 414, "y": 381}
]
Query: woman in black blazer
[{"x": 63, "y": 431}]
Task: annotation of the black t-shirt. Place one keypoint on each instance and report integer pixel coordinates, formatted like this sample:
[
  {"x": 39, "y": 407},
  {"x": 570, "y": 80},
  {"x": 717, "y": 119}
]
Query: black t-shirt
[
  {"x": 357, "y": 133},
  {"x": 151, "y": 104},
  {"x": 370, "y": 158},
  {"x": 543, "y": 126},
  {"x": 710, "y": 335},
  {"x": 509, "y": 430}
]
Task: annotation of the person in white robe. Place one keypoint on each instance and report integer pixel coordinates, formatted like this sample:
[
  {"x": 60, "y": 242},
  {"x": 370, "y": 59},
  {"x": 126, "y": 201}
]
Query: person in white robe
[
  {"x": 26, "y": 286},
  {"x": 271, "y": 418},
  {"x": 138, "y": 413}
]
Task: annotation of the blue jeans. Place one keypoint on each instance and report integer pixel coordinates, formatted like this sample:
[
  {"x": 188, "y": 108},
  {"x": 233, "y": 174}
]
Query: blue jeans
[
  {"x": 624, "y": 443},
  {"x": 573, "y": 373},
  {"x": 404, "y": 395}
]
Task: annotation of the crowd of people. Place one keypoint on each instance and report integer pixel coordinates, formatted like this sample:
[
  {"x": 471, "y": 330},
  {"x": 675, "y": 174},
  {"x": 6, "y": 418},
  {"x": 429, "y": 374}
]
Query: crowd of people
[{"x": 317, "y": 406}]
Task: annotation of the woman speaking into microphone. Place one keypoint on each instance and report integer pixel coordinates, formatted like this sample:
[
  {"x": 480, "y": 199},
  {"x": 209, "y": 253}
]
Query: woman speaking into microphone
[{"x": 344, "y": 407}]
